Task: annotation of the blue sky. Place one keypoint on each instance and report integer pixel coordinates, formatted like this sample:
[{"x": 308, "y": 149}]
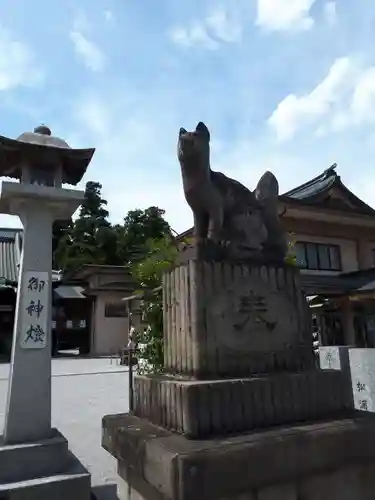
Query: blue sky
[{"x": 283, "y": 85}]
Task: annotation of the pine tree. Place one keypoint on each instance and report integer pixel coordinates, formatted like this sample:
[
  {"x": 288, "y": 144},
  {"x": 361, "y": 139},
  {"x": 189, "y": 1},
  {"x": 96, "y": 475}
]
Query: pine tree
[{"x": 87, "y": 241}]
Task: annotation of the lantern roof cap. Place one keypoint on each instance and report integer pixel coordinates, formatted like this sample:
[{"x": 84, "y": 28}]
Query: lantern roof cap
[{"x": 41, "y": 147}]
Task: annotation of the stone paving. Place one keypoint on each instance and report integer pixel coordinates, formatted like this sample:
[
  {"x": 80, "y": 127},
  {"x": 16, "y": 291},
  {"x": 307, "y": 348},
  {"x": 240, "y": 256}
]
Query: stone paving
[{"x": 83, "y": 390}]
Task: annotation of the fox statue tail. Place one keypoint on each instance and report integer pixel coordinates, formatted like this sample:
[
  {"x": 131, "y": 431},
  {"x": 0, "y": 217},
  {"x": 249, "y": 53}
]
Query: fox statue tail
[
  {"x": 267, "y": 188},
  {"x": 267, "y": 193}
]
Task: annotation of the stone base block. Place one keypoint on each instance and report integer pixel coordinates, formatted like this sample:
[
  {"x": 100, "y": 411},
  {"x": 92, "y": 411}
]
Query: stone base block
[
  {"x": 42, "y": 470},
  {"x": 200, "y": 409},
  {"x": 332, "y": 460},
  {"x": 222, "y": 319}
]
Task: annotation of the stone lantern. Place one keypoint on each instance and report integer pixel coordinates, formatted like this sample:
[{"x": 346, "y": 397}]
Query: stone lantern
[{"x": 42, "y": 164}]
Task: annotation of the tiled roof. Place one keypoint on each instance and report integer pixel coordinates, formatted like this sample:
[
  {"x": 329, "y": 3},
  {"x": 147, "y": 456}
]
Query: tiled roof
[
  {"x": 316, "y": 192},
  {"x": 326, "y": 284},
  {"x": 9, "y": 253},
  {"x": 315, "y": 186}
]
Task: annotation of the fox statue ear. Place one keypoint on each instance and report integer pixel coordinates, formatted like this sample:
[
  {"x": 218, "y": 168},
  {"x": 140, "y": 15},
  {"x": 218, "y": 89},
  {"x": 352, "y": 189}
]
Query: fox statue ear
[
  {"x": 182, "y": 131},
  {"x": 202, "y": 129}
]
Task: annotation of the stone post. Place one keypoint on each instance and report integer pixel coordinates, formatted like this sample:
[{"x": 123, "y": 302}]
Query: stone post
[
  {"x": 30, "y": 375},
  {"x": 35, "y": 461}
]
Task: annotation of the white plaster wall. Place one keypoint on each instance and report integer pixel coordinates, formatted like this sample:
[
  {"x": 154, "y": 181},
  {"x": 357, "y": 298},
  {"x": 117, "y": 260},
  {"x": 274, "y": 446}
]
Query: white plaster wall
[{"x": 110, "y": 334}]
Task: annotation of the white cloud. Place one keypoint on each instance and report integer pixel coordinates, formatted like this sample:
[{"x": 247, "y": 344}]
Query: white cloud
[
  {"x": 227, "y": 28},
  {"x": 195, "y": 34},
  {"x": 360, "y": 108},
  {"x": 91, "y": 113},
  {"x": 295, "y": 111},
  {"x": 344, "y": 98},
  {"x": 88, "y": 51},
  {"x": 280, "y": 15},
  {"x": 108, "y": 15},
  {"x": 218, "y": 26},
  {"x": 18, "y": 64},
  {"x": 330, "y": 13},
  {"x": 363, "y": 100}
]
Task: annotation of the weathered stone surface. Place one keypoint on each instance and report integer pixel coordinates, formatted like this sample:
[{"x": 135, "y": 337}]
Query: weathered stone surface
[
  {"x": 41, "y": 458},
  {"x": 201, "y": 409},
  {"x": 342, "y": 484},
  {"x": 367, "y": 480},
  {"x": 222, "y": 319},
  {"x": 42, "y": 470},
  {"x": 362, "y": 367},
  {"x": 231, "y": 468},
  {"x": 284, "y": 491},
  {"x": 337, "y": 358}
]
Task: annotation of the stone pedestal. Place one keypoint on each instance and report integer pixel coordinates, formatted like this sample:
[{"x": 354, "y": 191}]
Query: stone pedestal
[
  {"x": 42, "y": 470},
  {"x": 223, "y": 319},
  {"x": 323, "y": 461},
  {"x": 201, "y": 409},
  {"x": 241, "y": 412}
]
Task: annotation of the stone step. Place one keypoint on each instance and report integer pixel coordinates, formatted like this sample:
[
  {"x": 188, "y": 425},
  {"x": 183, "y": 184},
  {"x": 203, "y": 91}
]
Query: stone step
[
  {"x": 22, "y": 462},
  {"x": 74, "y": 485}
]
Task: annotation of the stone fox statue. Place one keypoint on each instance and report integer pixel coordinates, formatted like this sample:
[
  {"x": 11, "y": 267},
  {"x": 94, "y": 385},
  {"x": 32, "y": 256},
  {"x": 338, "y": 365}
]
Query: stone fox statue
[{"x": 225, "y": 211}]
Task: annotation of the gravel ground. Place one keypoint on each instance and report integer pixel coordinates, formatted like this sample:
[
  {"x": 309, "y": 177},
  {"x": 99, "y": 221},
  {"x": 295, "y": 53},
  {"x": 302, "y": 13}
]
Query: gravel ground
[{"x": 83, "y": 390}]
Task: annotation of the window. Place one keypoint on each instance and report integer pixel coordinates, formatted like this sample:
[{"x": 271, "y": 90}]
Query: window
[
  {"x": 115, "y": 310},
  {"x": 318, "y": 256}
]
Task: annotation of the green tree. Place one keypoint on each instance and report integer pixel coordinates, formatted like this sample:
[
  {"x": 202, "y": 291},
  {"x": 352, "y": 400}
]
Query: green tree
[
  {"x": 60, "y": 231},
  {"x": 91, "y": 239},
  {"x": 148, "y": 273},
  {"x": 139, "y": 228},
  {"x": 291, "y": 257}
]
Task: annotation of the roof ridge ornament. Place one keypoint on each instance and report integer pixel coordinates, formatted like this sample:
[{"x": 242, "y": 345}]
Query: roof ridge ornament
[
  {"x": 331, "y": 168},
  {"x": 43, "y": 130}
]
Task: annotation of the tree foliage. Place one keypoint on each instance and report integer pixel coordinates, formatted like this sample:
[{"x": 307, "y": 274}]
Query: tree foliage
[
  {"x": 139, "y": 229},
  {"x": 291, "y": 257},
  {"x": 84, "y": 242},
  {"x": 92, "y": 239},
  {"x": 148, "y": 273},
  {"x": 144, "y": 243},
  {"x": 60, "y": 232}
]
